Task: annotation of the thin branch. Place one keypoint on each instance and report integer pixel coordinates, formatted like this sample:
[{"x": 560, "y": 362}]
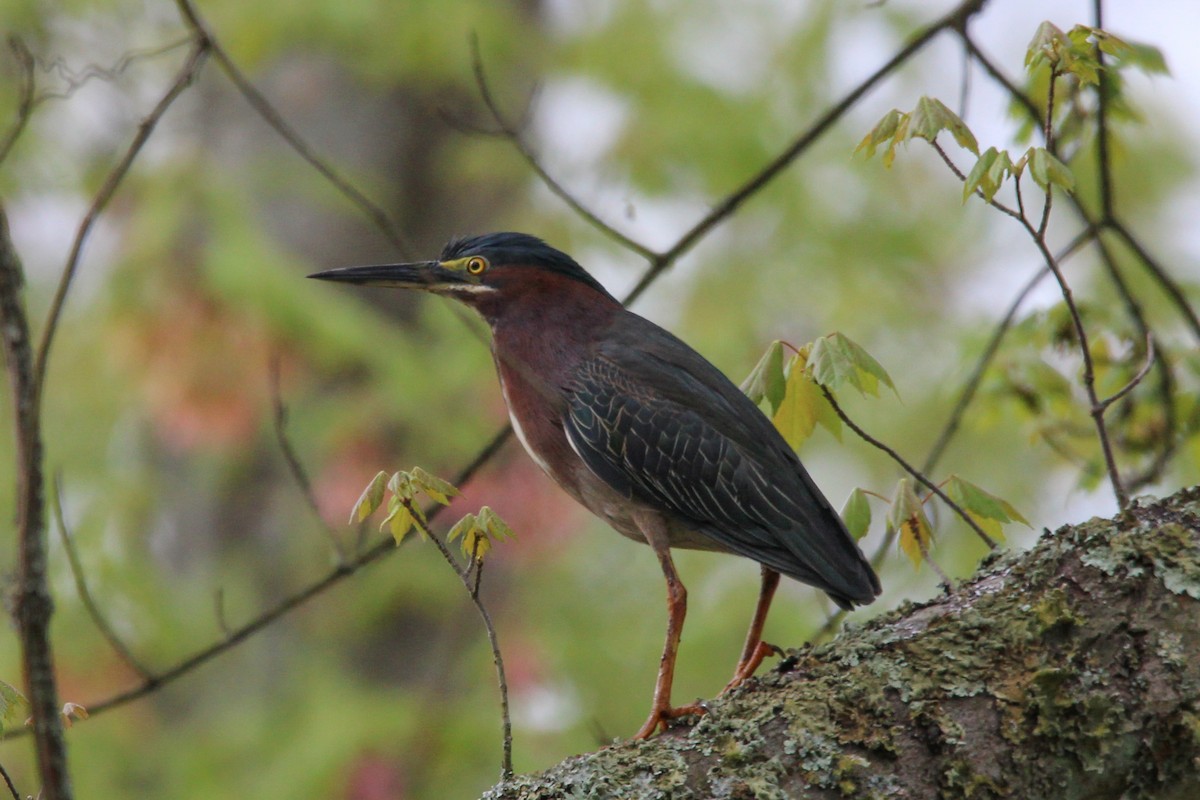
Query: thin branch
[
  {"x": 33, "y": 604},
  {"x": 1089, "y": 369},
  {"x": 1151, "y": 264},
  {"x": 1048, "y": 135},
  {"x": 1151, "y": 355},
  {"x": 183, "y": 79},
  {"x": 513, "y": 134},
  {"x": 910, "y": 469},
  {"x": 85, "y": 594},
  {"x": 298, "y": 473},
  {"x": 464, "y": 575},
  {"x": 973, "y": 382},
  {"x": 24, "y": 61},
  {"x": 1165, "y": 281},
  {"x": 76, "y": 80},
  {"x": 383, "y": 547},
  {"x": 994, "y": 203},
  {"x": 1103, "y": 163},
  {"x": 923, "y": 546},
  {"x": 275, "y": 120},
  {"x": 956, "y": 19},
  {"x": 8, "y": 782}
]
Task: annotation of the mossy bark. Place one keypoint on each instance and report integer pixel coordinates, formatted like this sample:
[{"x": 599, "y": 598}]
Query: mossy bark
[{"x": 1068, "y": 671}]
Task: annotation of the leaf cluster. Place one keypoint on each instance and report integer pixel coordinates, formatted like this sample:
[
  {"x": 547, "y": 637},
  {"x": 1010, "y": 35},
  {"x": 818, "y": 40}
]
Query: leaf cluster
[
  {"x": 992, "y": 167},
  {"x": 475, "y": 532},
  {"x": 793, "y": 396},
  {"x": 791, "y": 391}
]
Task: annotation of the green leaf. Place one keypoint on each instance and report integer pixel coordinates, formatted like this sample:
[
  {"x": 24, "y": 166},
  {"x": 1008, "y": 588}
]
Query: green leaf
[
  {"x": 13, "y": 706},
  {"x": 438, "y": 490},
  {"x": 477, "y": 532},
  {"x": 1045, "y": 169},
  {"x": 766, "y": 380},
  {"x": 931, "y": 117},
  {"x": 857, "y": 514},
  {"x": 835, "y": 360},
  {"x": 466, "y": 529},
  {"x": 884, "y": 131},
  {"x": 371, "y": 499},
  {"x": 988, "y": 511},
  {"x": 907, "y": 516},
  {"x": 495, "y": 526},
  {"x": 399, "y": 520},
  {"x": 1045, "y": 46},
  {"x": 1147, "y": 58},
  {"x": 797, "y": 413},
  {"x": 988, "y": 174}
]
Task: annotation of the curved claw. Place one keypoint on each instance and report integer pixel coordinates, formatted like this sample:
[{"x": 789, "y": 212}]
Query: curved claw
[{"x": 661, "y": 718}]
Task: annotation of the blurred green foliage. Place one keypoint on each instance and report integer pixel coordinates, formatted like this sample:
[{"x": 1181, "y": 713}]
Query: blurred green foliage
[{"x": 158, "y": 410}]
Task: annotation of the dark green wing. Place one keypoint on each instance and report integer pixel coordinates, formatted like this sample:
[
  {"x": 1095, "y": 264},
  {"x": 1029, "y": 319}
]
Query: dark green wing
[{"x": 659, "y": 423}]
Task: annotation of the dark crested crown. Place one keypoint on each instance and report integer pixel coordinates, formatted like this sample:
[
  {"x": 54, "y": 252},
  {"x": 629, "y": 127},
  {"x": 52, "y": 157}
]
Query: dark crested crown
[{"x": 519, "y": 248}]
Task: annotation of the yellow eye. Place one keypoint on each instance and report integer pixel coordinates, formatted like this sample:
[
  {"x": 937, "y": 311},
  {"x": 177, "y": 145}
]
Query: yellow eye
[{"x": 476, "y": 265}]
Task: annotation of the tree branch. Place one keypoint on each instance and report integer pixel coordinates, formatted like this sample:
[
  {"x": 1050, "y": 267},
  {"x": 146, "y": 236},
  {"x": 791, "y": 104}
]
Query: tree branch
[
  {"x": 1029, "y": 680},
  {"x": 33, "y": 604}
]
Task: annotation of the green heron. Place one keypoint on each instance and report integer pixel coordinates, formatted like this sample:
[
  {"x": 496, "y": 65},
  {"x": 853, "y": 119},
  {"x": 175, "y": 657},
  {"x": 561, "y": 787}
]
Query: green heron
[{"x": 642, "y": 430}]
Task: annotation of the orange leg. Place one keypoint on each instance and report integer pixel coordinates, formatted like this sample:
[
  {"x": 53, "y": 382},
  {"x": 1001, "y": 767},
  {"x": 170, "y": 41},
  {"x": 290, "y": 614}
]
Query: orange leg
[
  {"x": 662, "y": 711},
  {"x": 755, "y": 649}
]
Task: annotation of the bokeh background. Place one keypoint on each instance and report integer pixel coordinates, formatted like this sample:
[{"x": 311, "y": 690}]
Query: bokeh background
[{"x": 158, "y": 404}]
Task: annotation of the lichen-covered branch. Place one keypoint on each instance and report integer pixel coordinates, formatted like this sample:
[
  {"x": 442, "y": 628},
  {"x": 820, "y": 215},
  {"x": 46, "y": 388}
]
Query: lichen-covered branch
[{"x": 1068, "y": 671}]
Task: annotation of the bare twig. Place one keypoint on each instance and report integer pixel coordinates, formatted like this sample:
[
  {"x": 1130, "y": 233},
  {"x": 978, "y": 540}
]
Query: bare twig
[
  {"x": 32, "y": 601},
  {"x": 182, "y": 80},
  {"x": 513, "y": 134},
  {"x": 928, "y": 558},
  {"x": 909, "y": 468},
  {"x": 24, "y": 61},
  {"x": 1038, "y": 234},
  {"x": 74, "y": 80},
  {"x": 971, "y": 386},
  {"x": 1151, "y": 355},
  {"x": 295, "y": 467},
  {"x": 273, "y": 118},
  {"x": 955, "y": 19},
  {"x": 1103, "y": 163},
  {"x": 234, "y": 636},
  {"x": 8, "y": 782},
  {"x": 85, "y": 595},
  {"x": 1089, "y": 369},
  {"x": 1164, "y": 279},
  {"x": 994, "y": 203},
  {"x": 464, "y": 575}
]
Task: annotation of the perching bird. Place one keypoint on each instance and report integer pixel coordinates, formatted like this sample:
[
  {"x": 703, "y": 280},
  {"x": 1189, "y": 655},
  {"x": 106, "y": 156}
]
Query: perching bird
[{"x": 642, "y": 430}]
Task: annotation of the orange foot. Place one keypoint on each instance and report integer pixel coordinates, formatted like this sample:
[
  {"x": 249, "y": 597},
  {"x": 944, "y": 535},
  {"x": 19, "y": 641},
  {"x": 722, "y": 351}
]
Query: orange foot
[
  {"x": 746, "y": 669},
  {"x": 661, "y": 717}
]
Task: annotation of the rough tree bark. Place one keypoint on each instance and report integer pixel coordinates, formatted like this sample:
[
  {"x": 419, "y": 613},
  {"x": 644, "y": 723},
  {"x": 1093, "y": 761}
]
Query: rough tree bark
[{"x": 1068, "y": 671}]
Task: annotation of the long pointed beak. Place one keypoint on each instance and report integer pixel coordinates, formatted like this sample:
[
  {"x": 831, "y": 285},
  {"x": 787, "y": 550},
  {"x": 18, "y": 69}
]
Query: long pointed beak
[{"x": 425, "y": 275}]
